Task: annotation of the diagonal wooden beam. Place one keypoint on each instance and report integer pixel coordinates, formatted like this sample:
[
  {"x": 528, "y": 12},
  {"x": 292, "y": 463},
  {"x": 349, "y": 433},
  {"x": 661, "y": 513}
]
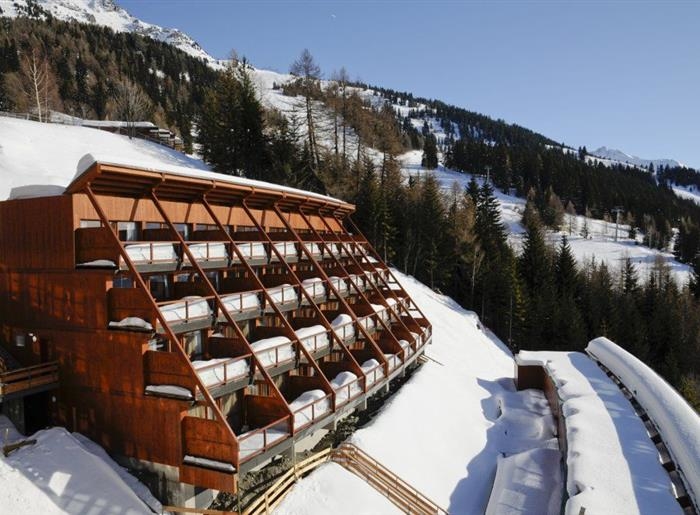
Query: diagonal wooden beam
[
  {"x": 203, "y": 276},
  {"x": 269, "y": 299},
  {"x": 138, "y": 279},
  {"x": 376, "y": 256},
  {"x": 341, "y": 299}
]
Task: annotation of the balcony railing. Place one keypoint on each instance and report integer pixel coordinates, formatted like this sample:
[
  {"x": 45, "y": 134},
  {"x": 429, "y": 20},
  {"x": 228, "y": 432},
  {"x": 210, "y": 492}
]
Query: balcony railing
[
  {"x": 284, "y": 296},
  {"x": 315, "y": 338},
  {"x": 308, "y": 413},
  {"x": 220, "y": 371},
  {"x": 28, "y": 378},
  {"x": 241, "y": 303},
  {"x": 187, "y": 310},
  {"x": 258, "y": 441},
  {"x": 207, "y": 253},
  {"x": 348, "y": 392},
  {"x": 373, "y": 374},
  {"x": 273, "y": 352}
]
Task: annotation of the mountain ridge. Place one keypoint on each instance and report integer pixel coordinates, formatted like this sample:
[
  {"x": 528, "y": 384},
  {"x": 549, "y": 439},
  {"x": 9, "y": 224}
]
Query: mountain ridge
[{"x": 109, "y": 14}]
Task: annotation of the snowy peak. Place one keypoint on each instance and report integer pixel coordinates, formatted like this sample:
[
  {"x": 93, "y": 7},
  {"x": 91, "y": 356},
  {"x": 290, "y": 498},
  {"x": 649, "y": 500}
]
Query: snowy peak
[
  {"x": 618, "y": 155},
  {"x": 107, "y": 13}
]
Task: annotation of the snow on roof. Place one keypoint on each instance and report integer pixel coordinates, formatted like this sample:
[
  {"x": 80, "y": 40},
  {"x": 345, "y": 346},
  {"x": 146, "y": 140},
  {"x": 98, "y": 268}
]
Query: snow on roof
[
  {"x": 108, "y": 159},
  {"x": 41, "y": 159},
  {"x": 444, "y": 430},
  {"x": 677, "y": 421},
  {"x": 58, "y": 475},
  {"x": 613, "y": 466}
]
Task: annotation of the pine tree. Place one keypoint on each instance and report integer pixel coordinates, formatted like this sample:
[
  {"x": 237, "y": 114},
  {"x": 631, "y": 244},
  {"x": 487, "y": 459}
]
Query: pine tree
[
  {"x": 565, "y": 271},
  {"x": 231, "y": 128},
  {"x": 430, "y": 153}
]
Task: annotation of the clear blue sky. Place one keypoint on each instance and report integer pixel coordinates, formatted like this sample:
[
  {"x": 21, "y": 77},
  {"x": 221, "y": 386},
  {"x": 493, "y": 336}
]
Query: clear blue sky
[{"x": 623, "y": 74}]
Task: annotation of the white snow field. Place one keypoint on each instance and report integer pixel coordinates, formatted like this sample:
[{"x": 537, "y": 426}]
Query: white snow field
[
  {"x": 67, "y": 474},
  {"x": 612, "y": 464},
  {"x": 444, "y": 431}
]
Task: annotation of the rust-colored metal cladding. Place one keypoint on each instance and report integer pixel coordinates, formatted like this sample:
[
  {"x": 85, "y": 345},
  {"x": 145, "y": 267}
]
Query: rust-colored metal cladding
[{"x": 194, "y": 324}]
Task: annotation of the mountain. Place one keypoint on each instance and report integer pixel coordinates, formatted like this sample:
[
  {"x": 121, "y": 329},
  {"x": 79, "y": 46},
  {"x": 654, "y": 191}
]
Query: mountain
[
  {"x": 620, "y": 156},
  {"x": 106, "y": 13}
]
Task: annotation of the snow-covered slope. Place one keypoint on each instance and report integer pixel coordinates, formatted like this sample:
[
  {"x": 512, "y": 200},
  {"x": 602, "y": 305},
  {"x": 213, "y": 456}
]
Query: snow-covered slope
[
  {"x": 60, "y": 475},
  {"x": 600, "y": 245},
  {"x": 444, "y": 430},
  {"x": 42, "y": 158},
  {"x": 109, "y": 14},
  {"x": 623, "y": 158}
]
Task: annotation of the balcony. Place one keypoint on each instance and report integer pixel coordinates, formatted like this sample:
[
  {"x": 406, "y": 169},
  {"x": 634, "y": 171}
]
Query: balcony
[
  {"x": 308, "y": 400},
  {"x": 254, "y": 252},
  {"x": 96, "y": 248},
  {"x": 242, "y": 299},
  {"x": 210, "y": 454},
  {"x": 314, "y": 287},
  {"x": 283, "y": 294},
  {"x": 131, "y": 309},
  {"x": 342, "y": 324},
  {"x": 288, "y": 250},
  {"x": 262, "y": 424},
  {"x": 346, "y": 378},
  {"x": 315, "y": 248},
  {"x": 208, "y": 254},
  {"x": 313, "y": 335},
  {"x": 166, "y": 374},
  {"x": 273, "y": 348}
]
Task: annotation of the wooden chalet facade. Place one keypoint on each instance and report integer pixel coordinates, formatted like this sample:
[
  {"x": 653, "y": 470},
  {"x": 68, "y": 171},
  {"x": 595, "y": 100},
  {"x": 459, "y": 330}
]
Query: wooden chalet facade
[{"x": 201, "y": 325}]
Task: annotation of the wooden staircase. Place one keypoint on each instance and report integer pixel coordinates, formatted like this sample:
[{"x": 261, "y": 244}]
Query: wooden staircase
[
  {"x": 399, "y": 492},
  {"x": 404, "y": 496}
]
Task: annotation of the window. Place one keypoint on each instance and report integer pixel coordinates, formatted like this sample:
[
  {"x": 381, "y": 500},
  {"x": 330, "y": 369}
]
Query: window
[
  {"x": 90, "y": 223},
  {"x": 183, "y": 229},
  {"x": 192, "y": 342},
  {"x": 122, "y": 281},
  {"x": 160, "y": 287},
  {"x": 154, "y": 225},
  {"x": 128, "y": 231}
]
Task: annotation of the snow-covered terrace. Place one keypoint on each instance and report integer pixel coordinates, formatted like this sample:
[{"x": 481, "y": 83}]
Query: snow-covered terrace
[{"x": 612, "y": 465}]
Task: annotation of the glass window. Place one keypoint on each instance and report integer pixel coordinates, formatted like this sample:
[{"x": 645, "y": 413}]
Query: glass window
[
  {"x": 160, "y": 287},
  {"x": 90, "y": 223},
  {"x": 122, "y": 281},
  {"x": 183, "y": 229},
  {"x": 128, "y": 231}
]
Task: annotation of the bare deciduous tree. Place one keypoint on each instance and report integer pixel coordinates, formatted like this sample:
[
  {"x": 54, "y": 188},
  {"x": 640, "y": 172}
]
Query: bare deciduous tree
[
  {"x": 131, "y": 105},
  {"x": 33, "y": 87},
  {"x": 309, "y": 73}
]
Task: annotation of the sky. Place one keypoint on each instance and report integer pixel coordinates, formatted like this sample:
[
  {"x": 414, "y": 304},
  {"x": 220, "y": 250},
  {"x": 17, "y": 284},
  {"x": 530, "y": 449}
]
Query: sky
[{"x": 624, "y": 74}]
